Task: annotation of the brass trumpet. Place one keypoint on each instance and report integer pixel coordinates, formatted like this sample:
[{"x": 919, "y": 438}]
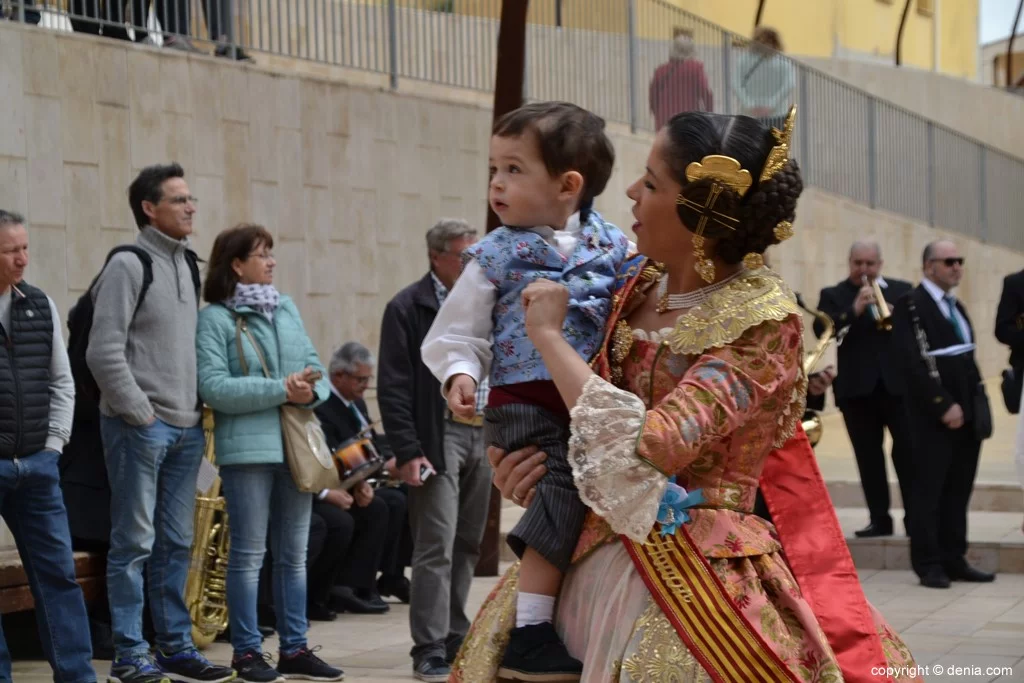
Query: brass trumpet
[{"x": 879, "y": 308}]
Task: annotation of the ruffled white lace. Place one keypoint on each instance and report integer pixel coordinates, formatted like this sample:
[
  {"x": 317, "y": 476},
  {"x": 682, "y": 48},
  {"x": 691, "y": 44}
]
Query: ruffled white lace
[{"x": 611, "y": 479}]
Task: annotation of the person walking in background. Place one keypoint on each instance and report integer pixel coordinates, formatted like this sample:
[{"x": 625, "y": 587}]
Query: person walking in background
[
  {"x": 680, "y": 84},
  {"x": 763, "y": 79}
]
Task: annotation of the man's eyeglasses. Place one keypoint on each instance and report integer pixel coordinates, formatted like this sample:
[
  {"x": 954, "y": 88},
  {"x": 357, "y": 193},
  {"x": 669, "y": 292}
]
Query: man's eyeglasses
[
  {"x": 362, "y": 379},
  {"x": 952, "y": 261},
  {"x": 183, "y": 199}
]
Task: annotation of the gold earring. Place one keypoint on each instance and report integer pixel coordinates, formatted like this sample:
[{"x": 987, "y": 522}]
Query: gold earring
[{"x": 704, "y": 266}]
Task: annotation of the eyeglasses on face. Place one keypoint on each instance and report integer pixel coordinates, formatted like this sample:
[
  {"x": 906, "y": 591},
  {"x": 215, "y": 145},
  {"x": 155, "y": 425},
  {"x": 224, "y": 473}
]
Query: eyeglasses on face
[
  {"x": 361, "y": 379},
  {"x": 952, "y": 261},
  {"x": 182, "y": 199}
]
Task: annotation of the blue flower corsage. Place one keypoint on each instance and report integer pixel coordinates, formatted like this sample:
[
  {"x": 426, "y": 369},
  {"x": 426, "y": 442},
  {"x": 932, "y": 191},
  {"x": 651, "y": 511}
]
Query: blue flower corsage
[{"x": 672, "y": 508}]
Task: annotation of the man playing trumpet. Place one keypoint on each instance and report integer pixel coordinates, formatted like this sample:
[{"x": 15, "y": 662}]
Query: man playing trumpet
[{"x": 868, "y": 388}]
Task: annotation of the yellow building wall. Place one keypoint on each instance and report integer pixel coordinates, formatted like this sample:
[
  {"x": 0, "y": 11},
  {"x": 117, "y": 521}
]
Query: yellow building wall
[{"x": 815, "y": 28}]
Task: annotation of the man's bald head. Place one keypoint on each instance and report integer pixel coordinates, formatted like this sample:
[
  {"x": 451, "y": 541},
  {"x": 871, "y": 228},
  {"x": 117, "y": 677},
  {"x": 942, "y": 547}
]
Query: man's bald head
[{"x": 865, "y": 259}]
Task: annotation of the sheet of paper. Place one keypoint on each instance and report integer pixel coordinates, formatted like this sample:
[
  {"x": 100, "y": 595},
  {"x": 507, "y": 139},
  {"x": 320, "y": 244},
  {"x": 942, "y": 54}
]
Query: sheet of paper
[
  {"x": 955, "y": 350},
  {"x": 207, "y": 476}
]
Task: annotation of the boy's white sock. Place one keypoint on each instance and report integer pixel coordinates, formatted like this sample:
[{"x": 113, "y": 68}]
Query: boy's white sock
[{"x": 534, "y": 608}]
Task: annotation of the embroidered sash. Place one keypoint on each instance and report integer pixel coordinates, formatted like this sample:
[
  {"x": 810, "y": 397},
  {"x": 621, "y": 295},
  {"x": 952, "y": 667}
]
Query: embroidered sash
[
  {"x": 819, "y": 558},
  {"x": 696, "y": 604}
]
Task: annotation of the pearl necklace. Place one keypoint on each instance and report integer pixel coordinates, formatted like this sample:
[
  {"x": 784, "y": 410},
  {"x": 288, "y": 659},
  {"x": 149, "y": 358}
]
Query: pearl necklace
[{"x": 674, "y": 302}]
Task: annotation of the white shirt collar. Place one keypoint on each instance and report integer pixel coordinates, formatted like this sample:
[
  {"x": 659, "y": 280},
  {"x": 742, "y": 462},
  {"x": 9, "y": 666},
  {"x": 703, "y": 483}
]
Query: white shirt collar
[
  {"x": 337, "y": 393},
  {"x": 881, "y": 282},
  {"x": 572, "y": 227},
  {"x": 934, "y": 290}
]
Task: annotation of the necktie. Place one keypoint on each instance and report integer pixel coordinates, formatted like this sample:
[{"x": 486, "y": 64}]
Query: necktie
[
  {"x": 357, "y": 414},
  {"x": 953, "y": 317}
]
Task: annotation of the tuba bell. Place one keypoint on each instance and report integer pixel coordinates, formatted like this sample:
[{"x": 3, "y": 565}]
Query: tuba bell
[
  {"x": 879, "y": 308},
  {"x": 811, "y": 420},
  {"x": 206, "y": 586}
]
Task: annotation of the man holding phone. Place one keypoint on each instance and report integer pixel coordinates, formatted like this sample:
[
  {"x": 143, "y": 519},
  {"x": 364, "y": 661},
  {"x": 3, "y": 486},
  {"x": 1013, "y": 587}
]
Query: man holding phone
[{"x": 439, "y": 455}]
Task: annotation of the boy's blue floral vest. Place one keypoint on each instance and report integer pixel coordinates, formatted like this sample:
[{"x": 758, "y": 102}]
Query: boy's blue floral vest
[{"x": 511, "y": 259}]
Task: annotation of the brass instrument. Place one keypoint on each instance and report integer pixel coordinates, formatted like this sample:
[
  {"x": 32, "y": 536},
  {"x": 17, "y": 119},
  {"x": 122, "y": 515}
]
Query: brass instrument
[
  {"x": 206, "y": 587},
  {"x": 812, "y": 421},
  {"x": 879, "y": 308}
]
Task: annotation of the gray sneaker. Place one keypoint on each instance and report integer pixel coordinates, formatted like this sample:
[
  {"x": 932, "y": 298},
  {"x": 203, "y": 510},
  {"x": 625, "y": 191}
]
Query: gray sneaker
[
  {"x": 431, "y": 669},
  {"x": 136, "y": 670}
]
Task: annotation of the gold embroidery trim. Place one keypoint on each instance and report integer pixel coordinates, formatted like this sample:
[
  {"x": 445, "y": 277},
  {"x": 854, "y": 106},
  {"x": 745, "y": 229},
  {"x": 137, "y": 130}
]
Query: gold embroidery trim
[
  {"x": 749, "y": 300},
  {"x": 660, "y": 656}
]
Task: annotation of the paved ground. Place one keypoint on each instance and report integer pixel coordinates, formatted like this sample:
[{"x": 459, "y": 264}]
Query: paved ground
[{"x": 965, "y": 626}]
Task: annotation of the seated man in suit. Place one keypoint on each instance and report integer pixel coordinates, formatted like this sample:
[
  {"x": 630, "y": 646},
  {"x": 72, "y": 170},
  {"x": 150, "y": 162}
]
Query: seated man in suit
[{"x": 343, "y": 416}]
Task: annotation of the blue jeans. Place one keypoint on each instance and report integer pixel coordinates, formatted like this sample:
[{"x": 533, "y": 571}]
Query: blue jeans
[
  {"x": 258, "y": 495},
  {"x": 33, "y": 507},
  {"x": 152, "y": 471}
]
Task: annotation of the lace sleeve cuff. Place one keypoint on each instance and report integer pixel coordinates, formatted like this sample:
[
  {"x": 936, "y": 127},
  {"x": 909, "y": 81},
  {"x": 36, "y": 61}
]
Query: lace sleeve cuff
[{"x": 611, "y": 479}]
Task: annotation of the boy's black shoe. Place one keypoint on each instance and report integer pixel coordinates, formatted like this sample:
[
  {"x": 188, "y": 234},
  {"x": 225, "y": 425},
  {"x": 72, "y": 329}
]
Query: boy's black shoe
[{"x": 536, "y": 653}]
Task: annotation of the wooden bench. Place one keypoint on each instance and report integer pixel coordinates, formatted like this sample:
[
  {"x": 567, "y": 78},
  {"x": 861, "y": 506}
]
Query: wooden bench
[{"x": 15, "y": 595}]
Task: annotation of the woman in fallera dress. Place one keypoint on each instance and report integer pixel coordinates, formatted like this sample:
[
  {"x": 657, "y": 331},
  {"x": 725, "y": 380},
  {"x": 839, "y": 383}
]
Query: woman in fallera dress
[{"x": 697, "y": 394}]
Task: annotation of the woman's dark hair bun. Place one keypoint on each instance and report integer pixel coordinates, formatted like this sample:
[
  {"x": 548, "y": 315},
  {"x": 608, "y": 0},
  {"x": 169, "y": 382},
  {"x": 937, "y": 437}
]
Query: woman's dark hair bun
[
  {"x": 769, "y": 203},
  {"x": 698, "y": 194},
  {"x": 693, "y": 136}
]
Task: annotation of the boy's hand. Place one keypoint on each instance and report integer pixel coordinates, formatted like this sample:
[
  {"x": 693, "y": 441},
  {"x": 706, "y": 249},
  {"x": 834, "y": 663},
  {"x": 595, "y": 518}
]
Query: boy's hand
[{"x": 462, "y": 396}]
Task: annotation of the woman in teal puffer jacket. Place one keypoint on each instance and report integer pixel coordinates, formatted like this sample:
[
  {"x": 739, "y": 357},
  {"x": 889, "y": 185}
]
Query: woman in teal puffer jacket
[{"x": 257, "y": 483}]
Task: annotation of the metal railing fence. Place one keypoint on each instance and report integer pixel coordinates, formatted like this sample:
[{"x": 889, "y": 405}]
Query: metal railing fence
[{"x": 634, "y": 62}]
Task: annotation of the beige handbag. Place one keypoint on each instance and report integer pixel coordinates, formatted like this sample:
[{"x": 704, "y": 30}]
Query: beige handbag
[{"x": 305, "y": 447}]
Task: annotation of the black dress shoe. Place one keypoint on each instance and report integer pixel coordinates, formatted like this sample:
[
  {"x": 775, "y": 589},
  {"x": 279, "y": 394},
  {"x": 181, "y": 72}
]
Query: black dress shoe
[
  {"x": 374, "y": 599},
  {"x": 344, "y": 599},
  {"x": 935, "y": 578},
  {"x": 536, "y": 653},
  {"x": 318, "y": 612},
  {"x": 873, "y": 530},
  {"x": 395, "y": 587},
  {"x": 971, "y": 575}
]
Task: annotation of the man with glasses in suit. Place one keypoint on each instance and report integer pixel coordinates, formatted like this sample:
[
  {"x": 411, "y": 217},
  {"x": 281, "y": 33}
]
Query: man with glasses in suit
[
  {"x": 934, "y": 341},
  {"x": 382, "y": 540}
]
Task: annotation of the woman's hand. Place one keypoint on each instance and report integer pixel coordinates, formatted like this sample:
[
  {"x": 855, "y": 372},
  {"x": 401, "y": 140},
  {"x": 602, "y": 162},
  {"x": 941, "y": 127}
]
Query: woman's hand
[
  {"x": 517, "y": 473},
  {"x": 299, "y": 391},
  {"x": 545, "y": 303}
]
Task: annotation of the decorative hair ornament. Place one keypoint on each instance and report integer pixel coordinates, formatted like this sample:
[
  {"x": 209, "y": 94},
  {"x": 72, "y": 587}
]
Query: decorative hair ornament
[
  {"x": 783, "y": 230},
  {"x": 723, "y": 169},
  {"x": 723, "y": 172},
  {"x": 779, "y": 154},
  {"x": 753, "y": 261}
]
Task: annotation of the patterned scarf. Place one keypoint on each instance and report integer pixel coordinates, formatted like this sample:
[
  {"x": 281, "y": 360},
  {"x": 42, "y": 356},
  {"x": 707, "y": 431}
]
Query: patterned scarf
[{"x": 263, "y": 298}]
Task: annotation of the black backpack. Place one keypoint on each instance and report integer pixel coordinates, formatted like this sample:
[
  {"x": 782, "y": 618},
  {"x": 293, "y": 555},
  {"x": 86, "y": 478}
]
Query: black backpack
[{"x": 83, "y": 471}]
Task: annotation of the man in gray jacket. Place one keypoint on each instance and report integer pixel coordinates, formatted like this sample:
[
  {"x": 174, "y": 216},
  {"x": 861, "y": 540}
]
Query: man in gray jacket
[
  {"x": 143, "y": 359},
  {"x": 37, "y": 401}
]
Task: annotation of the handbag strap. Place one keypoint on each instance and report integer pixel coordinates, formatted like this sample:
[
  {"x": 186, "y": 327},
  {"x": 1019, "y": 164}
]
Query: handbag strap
[{"x": 242, "y": 328}]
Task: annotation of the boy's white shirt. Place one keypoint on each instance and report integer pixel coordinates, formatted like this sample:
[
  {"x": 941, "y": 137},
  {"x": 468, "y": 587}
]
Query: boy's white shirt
[{"x": 459, "y": 341}]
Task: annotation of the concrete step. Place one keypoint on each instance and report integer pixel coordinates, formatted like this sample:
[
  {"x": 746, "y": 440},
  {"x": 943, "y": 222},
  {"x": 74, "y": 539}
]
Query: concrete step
[
  {"x": 996, "y": 540},
  {"x": 988, "y": 496}
]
